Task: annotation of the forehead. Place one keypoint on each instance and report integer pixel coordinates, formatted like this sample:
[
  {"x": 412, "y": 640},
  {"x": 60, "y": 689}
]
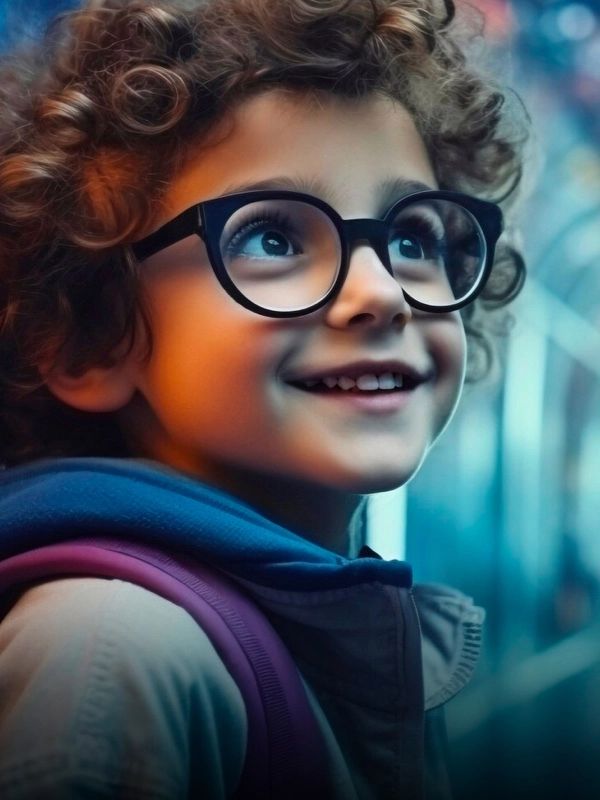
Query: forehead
[{"x": 345, "y": 151}]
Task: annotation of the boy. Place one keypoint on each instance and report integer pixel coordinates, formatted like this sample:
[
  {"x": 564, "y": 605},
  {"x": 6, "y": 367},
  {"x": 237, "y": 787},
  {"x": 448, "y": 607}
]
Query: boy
[{"x": 239, "y": 263}]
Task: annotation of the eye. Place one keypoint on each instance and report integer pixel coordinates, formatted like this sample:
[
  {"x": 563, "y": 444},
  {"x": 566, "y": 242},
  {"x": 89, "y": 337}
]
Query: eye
[
  {"x": 263, "y": 238},
  {"x": 417, "y": 235},
  {"x": 409, "y": 247},
  {"x": 419, "y": 243},
  {"x": 273, "y": 243}
]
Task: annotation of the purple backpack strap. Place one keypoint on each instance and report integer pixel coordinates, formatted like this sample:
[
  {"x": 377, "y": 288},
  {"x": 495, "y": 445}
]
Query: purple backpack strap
[{"x": 285, "y": 758}]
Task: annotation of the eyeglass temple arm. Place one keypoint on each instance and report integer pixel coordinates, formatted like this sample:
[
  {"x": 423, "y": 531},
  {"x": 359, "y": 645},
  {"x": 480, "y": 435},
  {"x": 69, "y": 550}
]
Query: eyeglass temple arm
[{"x": 180, "y": 227}]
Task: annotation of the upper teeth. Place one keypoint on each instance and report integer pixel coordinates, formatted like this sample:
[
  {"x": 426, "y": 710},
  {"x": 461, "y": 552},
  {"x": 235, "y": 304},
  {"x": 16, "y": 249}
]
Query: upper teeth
[{"x": 366, "y": 383}]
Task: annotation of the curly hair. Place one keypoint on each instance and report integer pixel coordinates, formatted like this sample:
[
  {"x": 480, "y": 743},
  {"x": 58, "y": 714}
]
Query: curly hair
[{"x": 98, "y": 118}]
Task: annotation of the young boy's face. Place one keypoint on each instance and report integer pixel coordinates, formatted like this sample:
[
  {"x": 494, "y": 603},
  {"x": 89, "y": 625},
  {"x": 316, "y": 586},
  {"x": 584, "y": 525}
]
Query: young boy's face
[{"x": 219, "y": 396}]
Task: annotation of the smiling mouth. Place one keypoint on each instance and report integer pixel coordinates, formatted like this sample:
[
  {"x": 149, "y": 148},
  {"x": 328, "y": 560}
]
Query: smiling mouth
[{"x": 385, "y": 383}]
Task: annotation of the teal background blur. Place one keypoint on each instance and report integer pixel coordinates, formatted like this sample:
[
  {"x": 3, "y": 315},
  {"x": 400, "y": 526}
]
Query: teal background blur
[{"x": 508, "y": 506}]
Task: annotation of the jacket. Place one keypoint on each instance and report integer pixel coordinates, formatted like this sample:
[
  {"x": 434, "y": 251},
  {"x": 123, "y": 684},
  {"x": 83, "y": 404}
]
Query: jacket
[{"x": 380, "y": 655}]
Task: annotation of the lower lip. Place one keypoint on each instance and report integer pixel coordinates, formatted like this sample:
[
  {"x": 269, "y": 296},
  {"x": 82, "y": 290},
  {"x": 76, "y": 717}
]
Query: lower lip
[{"x": 370, "y": 402}]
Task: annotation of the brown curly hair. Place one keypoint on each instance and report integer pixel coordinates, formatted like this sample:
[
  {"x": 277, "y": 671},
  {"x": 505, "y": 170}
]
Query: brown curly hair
[{"x": 98, "y": 118}]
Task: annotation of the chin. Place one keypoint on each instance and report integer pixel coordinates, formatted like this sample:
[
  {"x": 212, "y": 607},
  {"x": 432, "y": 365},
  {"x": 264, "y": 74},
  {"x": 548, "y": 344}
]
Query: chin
[
  {"x": 374, "y": 481},
  {"x": 382, "y": 484}
]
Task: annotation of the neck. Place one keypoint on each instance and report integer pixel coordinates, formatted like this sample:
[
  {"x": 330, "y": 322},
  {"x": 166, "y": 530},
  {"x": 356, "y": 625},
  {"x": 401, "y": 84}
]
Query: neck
[
  {"x": 328, "y": 518},
  {"x": 331, "y": 519}
]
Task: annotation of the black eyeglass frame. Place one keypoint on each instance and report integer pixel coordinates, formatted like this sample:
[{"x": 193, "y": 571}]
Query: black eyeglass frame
[{"x": 208, "y": 219}]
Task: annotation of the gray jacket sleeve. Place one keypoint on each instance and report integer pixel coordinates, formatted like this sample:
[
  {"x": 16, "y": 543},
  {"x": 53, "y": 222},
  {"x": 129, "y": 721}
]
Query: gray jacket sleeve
[{"x": 108, "y": 690}]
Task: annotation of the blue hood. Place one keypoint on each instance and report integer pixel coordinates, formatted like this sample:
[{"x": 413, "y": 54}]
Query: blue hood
[{"x": 50, "y": 501}]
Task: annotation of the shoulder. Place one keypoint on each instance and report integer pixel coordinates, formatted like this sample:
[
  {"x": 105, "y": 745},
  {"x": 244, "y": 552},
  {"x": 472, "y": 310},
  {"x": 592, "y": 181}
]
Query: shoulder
[{"x": 107, "y": 677}]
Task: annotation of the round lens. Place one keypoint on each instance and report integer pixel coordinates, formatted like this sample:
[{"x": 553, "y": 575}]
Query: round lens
[
  {"x": 437, "y": 251},
  {"x": 282, "y": 255}
]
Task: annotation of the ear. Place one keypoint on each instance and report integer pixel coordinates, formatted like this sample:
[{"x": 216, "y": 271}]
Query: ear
[{"x": 97, "y": 389}]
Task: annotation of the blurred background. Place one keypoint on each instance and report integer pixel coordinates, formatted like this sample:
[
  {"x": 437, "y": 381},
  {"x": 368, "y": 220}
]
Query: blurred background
[
  {"x": 508, "y": 506},
  {"x": 514, "y": 521}
]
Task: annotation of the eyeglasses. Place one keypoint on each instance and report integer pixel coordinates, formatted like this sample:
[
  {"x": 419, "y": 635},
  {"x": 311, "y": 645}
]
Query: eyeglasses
[{"x": 286, "y": 254}]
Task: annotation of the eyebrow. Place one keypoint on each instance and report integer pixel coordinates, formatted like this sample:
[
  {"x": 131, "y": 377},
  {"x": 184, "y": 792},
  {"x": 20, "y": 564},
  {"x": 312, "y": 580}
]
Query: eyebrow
[
  {"x": 388, "y": 191},
  {"x": 393, "y": 189}
]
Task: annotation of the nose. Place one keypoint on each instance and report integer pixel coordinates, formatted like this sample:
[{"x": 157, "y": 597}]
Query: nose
[{"x": 370, "y": 296}]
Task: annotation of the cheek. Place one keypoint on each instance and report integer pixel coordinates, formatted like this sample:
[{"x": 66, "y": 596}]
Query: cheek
[
  {"x": 211, "y": 360},
  {"x": 450, "y": 350},
  {"x": 455, "y": 349}
]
